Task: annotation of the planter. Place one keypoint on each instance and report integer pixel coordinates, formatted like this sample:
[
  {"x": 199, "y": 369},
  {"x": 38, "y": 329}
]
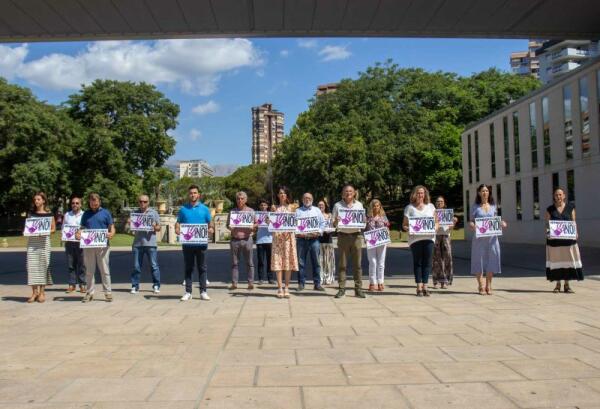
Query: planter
[
  {"x": 161, "y": 206},
  {"x": 219, "y": 205}
]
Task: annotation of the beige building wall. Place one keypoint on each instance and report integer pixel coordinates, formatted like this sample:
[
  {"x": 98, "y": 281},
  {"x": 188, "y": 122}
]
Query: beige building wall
[
  {"x": 267, "y": 132},
  {"x": 585, "y": 168}
]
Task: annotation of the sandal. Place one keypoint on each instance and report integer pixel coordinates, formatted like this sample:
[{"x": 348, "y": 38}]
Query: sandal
[
  {"x": 380, "y": 287},
  {"x": 557, "y": 288},
  {"x": 426, "y": 292},
  {"x": 488, "y": 290},
  {"x": 33, "y": 298},
  {"x": 419, "y": 293},
  {"x": 279, "y": 292},
  {"x": 286, "y": 293},
  {"x": 481, "y": 290},
  {"x": 567, "y": 289},
  {"x": 444, "y": 286},
  {"x": 371, "y": 287}
]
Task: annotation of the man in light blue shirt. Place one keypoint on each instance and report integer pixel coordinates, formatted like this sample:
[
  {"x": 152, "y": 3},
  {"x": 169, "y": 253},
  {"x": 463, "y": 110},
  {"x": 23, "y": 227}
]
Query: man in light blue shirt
[{"x": 308, "y": 244}]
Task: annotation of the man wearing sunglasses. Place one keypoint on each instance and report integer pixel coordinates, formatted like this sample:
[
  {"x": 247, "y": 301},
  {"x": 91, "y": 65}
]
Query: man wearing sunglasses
[
  {"x": 72, "y": 249},
  {"x": 144, "y": 244}
]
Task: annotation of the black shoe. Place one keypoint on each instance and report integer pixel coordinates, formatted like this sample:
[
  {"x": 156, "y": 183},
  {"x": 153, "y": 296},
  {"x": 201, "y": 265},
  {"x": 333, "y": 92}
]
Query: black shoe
[
  {"x": 341, "y": 293},
  {"x": 300, "y": 287},
  {"x": 359, "y": 293},
  {"x": 271, "y": 282},
  {"x": 319, "y": 288}
]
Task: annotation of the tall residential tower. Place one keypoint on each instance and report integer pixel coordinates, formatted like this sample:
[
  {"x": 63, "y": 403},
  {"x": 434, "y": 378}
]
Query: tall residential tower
[{"x": 267, "y": 132}]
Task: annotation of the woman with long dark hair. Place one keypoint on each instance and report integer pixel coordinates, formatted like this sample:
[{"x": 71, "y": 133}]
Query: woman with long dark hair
[
  {"x": 327, "y": 253},
  {"x": 284, "y": 257},
  {"x": 442, "y": 272}
]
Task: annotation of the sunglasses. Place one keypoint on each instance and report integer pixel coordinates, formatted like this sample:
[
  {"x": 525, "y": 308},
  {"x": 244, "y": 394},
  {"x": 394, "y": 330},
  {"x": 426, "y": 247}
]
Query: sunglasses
[{"x": 143, "y": 201}]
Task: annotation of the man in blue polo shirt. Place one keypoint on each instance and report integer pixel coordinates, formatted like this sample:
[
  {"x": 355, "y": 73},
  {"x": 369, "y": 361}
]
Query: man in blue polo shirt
[{"x": 196, "y": 213}]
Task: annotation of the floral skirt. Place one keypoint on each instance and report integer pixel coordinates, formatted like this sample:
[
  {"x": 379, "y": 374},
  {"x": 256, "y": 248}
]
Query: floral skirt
[
  {"x": 327, "y": 260},
  {"x": 441, "y": 271},
  {"x": 284, "y": 256}
]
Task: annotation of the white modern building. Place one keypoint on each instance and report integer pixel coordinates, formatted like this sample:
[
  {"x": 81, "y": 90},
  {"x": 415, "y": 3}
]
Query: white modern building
[
  {"x": 558, "y": 57},
  {"x": 195, "y": 168},
  {"x": 526, "y": 62},
  {"x": 546, "y": 139}
]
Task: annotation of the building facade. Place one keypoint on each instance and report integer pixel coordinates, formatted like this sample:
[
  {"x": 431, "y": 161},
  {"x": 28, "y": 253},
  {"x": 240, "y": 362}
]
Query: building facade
[
  {"x": 558, "y": 57},
  {"x": 327, "y": 88},
  {"x": 195, "y": 168},
  {"x": 547, "y": 139},
  {"x": 526, "y": 62},
  {"x": 267, "y": 132}
]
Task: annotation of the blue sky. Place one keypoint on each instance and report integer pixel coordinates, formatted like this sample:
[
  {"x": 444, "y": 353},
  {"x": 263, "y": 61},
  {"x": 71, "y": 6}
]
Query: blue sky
[{"x": 216, "y": 82}]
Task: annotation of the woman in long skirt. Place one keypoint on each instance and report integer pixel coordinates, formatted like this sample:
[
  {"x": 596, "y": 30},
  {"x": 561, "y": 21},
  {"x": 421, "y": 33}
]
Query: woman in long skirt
[
  {"x": 563, "y": 261},
  {"x": 327, "y": 253},
  {"x": 376, "y": 219},
  {"x": 442, "y": 272},
  {"x": 284, "y": 257},
  {"x": 38, "y": 252}
]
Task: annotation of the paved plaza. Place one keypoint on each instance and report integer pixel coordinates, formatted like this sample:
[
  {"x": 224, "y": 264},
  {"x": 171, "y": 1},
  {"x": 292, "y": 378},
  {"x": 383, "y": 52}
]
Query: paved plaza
[{"x": 523, "y": 347}]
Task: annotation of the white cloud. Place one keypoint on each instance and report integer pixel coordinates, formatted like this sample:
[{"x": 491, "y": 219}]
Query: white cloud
[
  {"x": 193, "y": 65},
  {"x": 209, "y": 108},
  {"x": 334, "y": 52},
  {"x": 195, "y": 134},
  {"x": 304, "y": 43},
  {"x": 284, "y": 53}
]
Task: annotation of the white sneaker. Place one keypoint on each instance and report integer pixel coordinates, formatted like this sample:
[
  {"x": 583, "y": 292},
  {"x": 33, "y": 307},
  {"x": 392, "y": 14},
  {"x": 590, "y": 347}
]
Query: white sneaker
[
  {"x": 207, "y": 282},
  {"x": 204, "y": 296},
  {"x": 186, "y": 297},
  {"x": 156, "y": 289},
  {"x": 134, "y": 290}
]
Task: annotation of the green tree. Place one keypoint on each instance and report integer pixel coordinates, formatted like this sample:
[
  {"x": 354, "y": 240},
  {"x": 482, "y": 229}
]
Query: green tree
[{"x": 252, "y": 179}]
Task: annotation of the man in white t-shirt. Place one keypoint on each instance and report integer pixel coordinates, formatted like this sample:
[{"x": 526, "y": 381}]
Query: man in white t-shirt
[{"x": 73, "y": 251}]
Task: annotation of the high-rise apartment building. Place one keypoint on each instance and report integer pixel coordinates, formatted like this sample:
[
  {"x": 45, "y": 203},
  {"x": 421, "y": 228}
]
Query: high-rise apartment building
[
  {"x": 267, "y": 132},
  {"x": 526, "y": 62},
  {"x": 558, "y": 57},
  {"x": 327, "y": 88},
  {"x": 195, "y": 168}
]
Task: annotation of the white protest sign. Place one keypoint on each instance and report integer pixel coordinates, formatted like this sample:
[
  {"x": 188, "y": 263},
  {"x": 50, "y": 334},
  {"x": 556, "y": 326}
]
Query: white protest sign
[
  {"x": 37, "y": 226},
  {"x": 93, "y": 238},
  {"x": 68, "y": 232},
  {"x": 282, "y": 222},
  {"x": 308, "y": 224},
  {"x": 261, "y": 218},
  {"x": 421, "y": 225},
  {"x": 445, "y": 217},
  {"x": 488, "y": 226},
  {"x": 351, "y": 218},
  {"x": 328, "y": 226},
  {"x": 377, "y": 237},
  {"x": 241, "y": 219},
  {"x": 190, "y": 233},
  {"x": 141, "y": 222},
  {"x": 562, "y": 229}
]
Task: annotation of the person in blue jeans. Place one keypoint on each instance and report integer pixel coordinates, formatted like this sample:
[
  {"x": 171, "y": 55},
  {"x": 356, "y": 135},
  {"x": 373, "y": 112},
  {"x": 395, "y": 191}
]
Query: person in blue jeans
[
  {"x": 309, "y": 245},
  {"x": 144, "y": 244}
]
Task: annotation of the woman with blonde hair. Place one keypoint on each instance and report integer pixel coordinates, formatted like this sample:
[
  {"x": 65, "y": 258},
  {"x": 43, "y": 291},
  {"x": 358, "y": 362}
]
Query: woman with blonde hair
[{"x": 376, "y": 219}]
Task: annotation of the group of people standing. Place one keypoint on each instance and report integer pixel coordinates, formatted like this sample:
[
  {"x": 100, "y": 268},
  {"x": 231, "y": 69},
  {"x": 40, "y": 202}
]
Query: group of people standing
[{"x": 285, "y": 252}]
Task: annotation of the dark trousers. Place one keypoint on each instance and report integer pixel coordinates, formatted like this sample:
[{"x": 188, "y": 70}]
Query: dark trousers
[
  {"x": 197, "y": 254},
  {"x": 422, "y": 252},
  {"x": 306, "y": 248},
  {"x": 75, "y": 263},
  {"x": 263, "y": 252}
]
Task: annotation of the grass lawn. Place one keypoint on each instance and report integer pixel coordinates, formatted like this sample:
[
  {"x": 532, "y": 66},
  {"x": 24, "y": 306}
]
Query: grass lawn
[{"x": 20, "y": 241}]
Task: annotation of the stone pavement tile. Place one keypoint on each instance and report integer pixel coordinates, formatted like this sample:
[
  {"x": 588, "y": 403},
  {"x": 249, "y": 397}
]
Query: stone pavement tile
[
  {"x": 353, "y": 397},
  {"x": 448, "y": 372},
  {"x": 60, "y": 340},
  {"x": 293, "y": 322},
  {"x": 471, "y": 319},
  {"x": 252, "y": 398},
  {"x": 261, "y": 357},
  {"x": 146, "y": 405},
  {"x": 539, "y": 369},
  {"x": 341, "y": 321},
  {"x": 60, "y": 405},
  {"x": 558, "y": 325},
  {"x": 593, "y": 382},
  {"x": 455, "y": 396},
  {"x": 483, "y": 353},
  {"x": 476, "y": 338},
  {"x": 410, "y": 354},
  {"x": 550, "y": 351},
  {"x": 385, "y": 330},
  {"x": 262, "y": 332},
  {"x": 301, "y": 375},
  {"x": 30, "y": 390},
  {"x": 341, "y": 355},
  {"x": 90, "y": 368},
  {"x": 233, "y": 376},
  {"x": 255, "y": 321},
  {"x": 322, "y": 331},
  {"x": 146, "y": 351},
  {"x": 116, "y": 389},
  {"x": 171, "y": 366},
  {"x": 23, "y": 369},
  {"x": 364, "y": 341},
  {"x": 549, "y": 393},
  {"x": 401, "y": 321},
  {"x": 444, "y": 328},
  {"x": 430, "y": 340},
  {"x": 557, "y": 337},
  {"x": 501, "y": 328},
  {"x": 178, "y": 388},
  {"x": 295, "y": 342},
  {"x": 128, "y": 339},
  {"x": 248, "y": 343},
  {"x": 387, "y": 374}
]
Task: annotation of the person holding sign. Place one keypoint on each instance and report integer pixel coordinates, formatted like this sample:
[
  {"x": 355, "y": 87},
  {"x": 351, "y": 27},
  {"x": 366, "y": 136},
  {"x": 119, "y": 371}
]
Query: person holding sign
[
  {"x": 441, "y": 271},
  {"x": 264, "y": 240},
  {"x": 284, "y": 258},
  {"x": 242, "y": 224},
  {"x": 71, "y": 223},
  {"x": 310, "y": 222},
  {"x": 349, "y": 218},
  {"x": 563, "y": 261},
  {"x": 38, "y": 227},
  {"x": 420, "y": 222},
  {"x": 485, "y": 250},
  {"x": 326, "y": 251},
  {"x": 198, "y": 220},
  {"x": 97, "y": 254},
  {"x": 145, "y": 223},
  {"x": 376, "y": 219}
]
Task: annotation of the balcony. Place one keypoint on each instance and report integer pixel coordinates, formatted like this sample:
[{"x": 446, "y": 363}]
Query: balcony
[{"x": 569, "y": 54}]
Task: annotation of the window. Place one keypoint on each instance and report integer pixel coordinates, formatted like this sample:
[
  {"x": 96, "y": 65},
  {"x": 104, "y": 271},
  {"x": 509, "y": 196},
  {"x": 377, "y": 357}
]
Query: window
[
  {"x": 585, "y": 116},
  {"x": 570, "y": 185},
  {"x": 536, "y": 198},
  {"x": 476, "y": 156},
  {"x": 518, "y": 189},
  {"x": 515, "y": 116},
  {"x": 568, "y": 122},
  {"x": 533, "y": 135},
  {"x": 546, "y": 128},
  {"x": 555, "y": 181},
  {"x": 493, "y": 150},
  {"x": 468, "y": 200},
  {"x": 469, "y": 160},
  {"x": 499, "y": 199},
  {"x": 506, "y": 146}
]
